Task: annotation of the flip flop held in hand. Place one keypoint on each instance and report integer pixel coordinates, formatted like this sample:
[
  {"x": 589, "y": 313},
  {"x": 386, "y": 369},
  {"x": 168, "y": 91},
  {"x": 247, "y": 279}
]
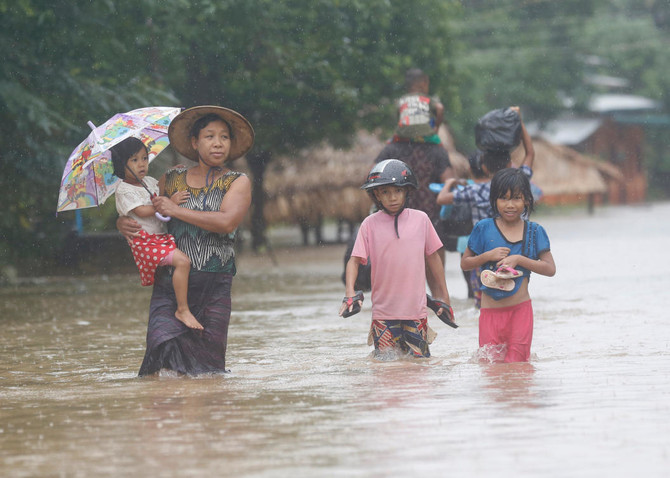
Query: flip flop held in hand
[
  {"x": 447, "y": 314},
  {"x": 500, "y": 279},
  {"x": 352, "y": 305}
]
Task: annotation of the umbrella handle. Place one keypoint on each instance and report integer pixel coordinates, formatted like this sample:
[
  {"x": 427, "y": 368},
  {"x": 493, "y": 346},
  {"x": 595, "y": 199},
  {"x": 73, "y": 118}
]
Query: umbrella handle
[{"x": 158, "y": 215}]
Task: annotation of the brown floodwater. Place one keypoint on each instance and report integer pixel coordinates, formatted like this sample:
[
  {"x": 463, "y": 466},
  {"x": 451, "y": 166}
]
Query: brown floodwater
[{"x": 305, "y": 399}]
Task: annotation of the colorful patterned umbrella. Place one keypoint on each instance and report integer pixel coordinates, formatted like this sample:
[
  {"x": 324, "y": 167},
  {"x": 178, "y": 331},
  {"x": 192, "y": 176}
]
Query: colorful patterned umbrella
[{"x": 88, "y": 178}]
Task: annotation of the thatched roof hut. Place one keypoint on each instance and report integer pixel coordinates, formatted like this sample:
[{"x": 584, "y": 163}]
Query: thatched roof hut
[
  {"x": 321, "y": 182},
  {"x": 567, "y": 176},
  {"x": 324, "y": 182}
]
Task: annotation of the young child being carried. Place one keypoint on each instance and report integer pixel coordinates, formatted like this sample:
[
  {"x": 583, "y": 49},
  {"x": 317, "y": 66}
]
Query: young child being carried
[
  {"x": 403, "y": 247},
  {"x": 477, "y": 193},
  {"x": 508, "y": 248},
  {"x": 154, "y": 247},
  {"x": 419, "y": 115}
]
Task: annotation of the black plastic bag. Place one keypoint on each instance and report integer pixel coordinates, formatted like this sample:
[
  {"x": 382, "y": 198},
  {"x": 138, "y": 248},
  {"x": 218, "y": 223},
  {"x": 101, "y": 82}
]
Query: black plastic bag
[
  {"x": 498, "y": 130},
  {"x": 458, "y": 223}
]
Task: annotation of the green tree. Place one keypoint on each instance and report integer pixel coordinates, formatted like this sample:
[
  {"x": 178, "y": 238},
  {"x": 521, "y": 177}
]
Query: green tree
[
  {"x": 524, "y": 53},
  {"x": 542, "y": 55},
  {"x": 62, "y": 65},
  {"x": 302, "y": 71}
]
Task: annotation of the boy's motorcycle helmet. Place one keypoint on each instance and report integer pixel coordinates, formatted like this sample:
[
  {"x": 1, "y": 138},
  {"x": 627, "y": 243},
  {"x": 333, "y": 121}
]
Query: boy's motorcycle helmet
[{"x": 390, "y": 171}]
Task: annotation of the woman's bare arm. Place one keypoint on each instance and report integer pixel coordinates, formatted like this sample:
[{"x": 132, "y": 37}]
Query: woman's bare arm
[{"x": 234, "y": 207}]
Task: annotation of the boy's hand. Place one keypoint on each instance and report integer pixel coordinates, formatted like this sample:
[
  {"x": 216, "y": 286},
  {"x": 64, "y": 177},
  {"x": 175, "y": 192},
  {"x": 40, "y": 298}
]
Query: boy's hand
[
  {"x": 180, "y": 197},
  {"x": 443, "y": 311},
  {"x": 351, "y": 305}
]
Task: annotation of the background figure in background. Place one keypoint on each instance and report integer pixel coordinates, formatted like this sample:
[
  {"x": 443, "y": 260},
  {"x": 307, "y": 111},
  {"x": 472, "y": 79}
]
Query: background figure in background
[
  {"x": 400, "y": 243},
  {"x": 477, "y": 194},
  {"x": 419, "y": 115},
  {"x": 508, "y": 248},
  {"x": 423, "y": 154},
  {"x": 153, "y": 247},
  {"x": 455, "y": 222}
]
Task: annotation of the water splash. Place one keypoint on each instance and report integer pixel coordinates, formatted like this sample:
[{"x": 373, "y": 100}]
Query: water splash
[{"x": 490, "y": 354}]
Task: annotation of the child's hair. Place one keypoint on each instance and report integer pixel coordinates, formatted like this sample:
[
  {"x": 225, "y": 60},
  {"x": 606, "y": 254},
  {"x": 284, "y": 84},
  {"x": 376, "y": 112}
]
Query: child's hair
[
  {"x": 511, "y": 180},
  {"x": 122, "y": 152},
  {"x": 203, "y": 121},
  {"x": 496, "y": 160},
  {"x": 414, "y": 76},
  {"x": 475, "y": 160}
]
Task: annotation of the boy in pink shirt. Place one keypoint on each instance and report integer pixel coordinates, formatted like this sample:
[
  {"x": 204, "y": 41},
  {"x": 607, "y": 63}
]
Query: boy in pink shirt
[{"x": 402, "y": 246}]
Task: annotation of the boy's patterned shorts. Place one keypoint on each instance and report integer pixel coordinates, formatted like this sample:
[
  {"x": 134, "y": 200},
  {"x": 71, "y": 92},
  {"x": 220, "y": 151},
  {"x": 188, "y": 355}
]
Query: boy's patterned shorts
[{"x": 410, "y": 336}]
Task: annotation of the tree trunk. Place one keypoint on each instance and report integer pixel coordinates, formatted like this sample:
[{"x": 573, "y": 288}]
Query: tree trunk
[{"x": 257, "y": 163}]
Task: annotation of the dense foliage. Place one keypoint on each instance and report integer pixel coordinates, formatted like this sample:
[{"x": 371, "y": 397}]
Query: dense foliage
[
  {"x": 62, "y": 65},
  {"x": 302, "y": 71},
  {"x": 545, "y": 55}
]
